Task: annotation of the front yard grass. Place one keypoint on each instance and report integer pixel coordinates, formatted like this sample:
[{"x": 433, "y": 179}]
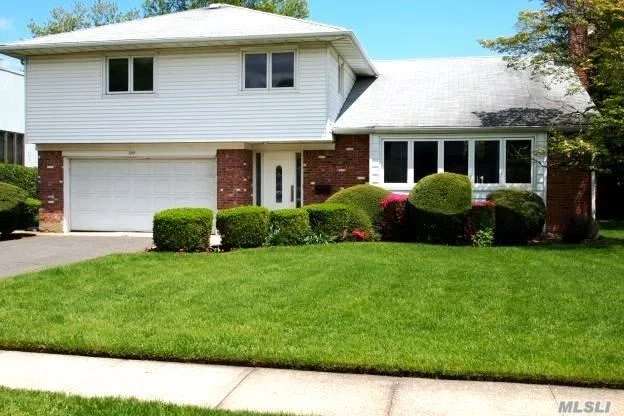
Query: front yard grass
[
  {"x": 536, "y": 314},
  {"x": 22, "y": 403}
]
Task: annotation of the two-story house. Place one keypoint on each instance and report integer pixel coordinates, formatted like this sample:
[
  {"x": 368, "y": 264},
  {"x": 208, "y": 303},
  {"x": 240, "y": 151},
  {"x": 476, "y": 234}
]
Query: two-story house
[{"x": 226, "y": 106}]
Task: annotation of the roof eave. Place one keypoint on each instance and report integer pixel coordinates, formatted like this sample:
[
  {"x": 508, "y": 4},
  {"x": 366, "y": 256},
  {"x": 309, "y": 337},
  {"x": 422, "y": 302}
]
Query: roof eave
[
  {"x": 21, "y": 50},
  {"x": 449, "y": 129}
]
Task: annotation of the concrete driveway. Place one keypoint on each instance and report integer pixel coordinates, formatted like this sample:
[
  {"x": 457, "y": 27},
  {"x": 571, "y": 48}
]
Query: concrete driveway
[{"x": 35, "y": 252}]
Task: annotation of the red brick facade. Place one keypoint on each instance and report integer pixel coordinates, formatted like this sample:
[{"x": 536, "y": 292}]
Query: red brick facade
[
  {"x": 569, "y": 194},
  {"x": 234, "y": 178},
  {"x": 51, "y": 191},
  {"x": 343, "y": 167}
]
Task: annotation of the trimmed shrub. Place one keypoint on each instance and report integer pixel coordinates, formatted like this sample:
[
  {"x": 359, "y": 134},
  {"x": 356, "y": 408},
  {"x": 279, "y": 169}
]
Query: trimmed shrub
[
  {"x": 20, "y": 176},
  {"x": 360, "y": 227},
  {"x": 329, "y": 219},
  {"x": 393, "y": 218},
  {"x": 289, "y": 227},
  {"x": 339, "y": 221},
  {"x": 482, "y": 216},
  {"x": 438, "y": 206},
  {"x": 12, "y": 200},
  {"x": 30, "y": 216},
  {"x": 183, "y": 229},
  {"x": 579, "y": 229},
  {"x": 520, "y": 216},
  {"x": 365, "y": 197},
  {"x": 243, "y": 227}
]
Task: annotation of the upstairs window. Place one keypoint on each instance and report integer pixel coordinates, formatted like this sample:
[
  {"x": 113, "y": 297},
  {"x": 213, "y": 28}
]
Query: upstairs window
[
  {"x": 283, "y": 70},
  {"x": 265, "y": 70},
  {"x": 130, "y": 75}
]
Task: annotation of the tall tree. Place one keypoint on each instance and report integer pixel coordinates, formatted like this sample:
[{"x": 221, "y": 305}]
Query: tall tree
[
  {"x": 294, "y": 8},
  {"x": 101, "y": 12},
  {"x": 587, "y": 35}
]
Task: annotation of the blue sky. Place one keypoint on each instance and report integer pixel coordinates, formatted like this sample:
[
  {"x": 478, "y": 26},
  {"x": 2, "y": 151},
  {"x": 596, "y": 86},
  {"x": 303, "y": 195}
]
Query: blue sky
[{"x": 390, "y": 29}]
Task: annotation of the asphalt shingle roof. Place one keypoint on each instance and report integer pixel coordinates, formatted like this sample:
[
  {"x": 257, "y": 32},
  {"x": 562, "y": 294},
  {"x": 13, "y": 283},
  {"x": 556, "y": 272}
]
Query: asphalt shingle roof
[
  {"x": 458, "y": 93},
  {"x": 220, "y": 21}
]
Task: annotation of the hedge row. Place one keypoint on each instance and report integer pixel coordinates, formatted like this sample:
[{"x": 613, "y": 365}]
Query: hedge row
[
  {"x": 189, "y": 229},
  {"x": 439, "y": 210}
]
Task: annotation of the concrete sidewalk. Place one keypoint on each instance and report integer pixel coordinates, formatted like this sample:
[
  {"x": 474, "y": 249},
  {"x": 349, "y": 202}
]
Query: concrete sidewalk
[{"x": 297, "y": 392}]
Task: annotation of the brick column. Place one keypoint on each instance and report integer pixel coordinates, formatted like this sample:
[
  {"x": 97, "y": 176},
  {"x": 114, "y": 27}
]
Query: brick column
[
  {"x": 568, "y": 194},
  {"x": 51, "y": 214},
  {"x": 341, "y": 168},
  {"x": 234, "y": 178}
]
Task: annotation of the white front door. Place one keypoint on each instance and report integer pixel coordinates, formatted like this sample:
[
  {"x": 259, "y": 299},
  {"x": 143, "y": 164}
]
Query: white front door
[{"x": 279, "y": 179}]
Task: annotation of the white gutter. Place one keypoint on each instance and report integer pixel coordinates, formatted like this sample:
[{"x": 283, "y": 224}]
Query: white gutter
[
  {"x": 27, "y": 48},
  {"x": 422, "y": 129}
]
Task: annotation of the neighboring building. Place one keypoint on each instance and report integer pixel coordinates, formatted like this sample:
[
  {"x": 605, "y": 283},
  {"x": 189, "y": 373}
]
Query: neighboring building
[
  {"x": 13, "y": 148},
  {"x": 226, "y": 106}
]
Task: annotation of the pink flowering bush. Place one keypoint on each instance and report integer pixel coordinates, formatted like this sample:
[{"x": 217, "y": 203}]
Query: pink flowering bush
[{"x": 393, "y": 218}]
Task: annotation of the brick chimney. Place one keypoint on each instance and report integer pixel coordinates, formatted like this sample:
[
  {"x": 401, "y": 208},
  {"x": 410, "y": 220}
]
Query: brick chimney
[{"x": 579, "y": 50}]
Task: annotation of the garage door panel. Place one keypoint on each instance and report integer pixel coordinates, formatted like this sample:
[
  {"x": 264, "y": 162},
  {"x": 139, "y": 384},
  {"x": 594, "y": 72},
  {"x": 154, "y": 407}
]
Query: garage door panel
[{"x": 123, "y": 195}]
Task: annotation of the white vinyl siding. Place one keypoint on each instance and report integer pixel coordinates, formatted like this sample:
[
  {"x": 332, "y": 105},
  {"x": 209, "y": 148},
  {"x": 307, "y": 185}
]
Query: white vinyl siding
[
  {"x": 480, "y": 191},
  {"x": 198, "y": 99},
  {"x": 336, "y": 99}
]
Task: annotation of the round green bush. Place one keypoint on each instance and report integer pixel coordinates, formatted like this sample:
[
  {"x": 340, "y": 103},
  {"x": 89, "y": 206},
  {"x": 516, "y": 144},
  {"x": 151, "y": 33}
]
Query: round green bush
[
  {"x": 243, "y": 227},
  {"x": 438, "y": 206},
  {"x": 359, "y": 220},
  {"x": 30, "y": 216},
  {"x": 12, "y": 200},
  {"x": 289, "y": 227},
  {"x": 337, "y": 220},
  {"x": 21, "y": 176},
  {"x": 185, "y": 229},
  {"x": 329, "y": 219},
  {"x": 365, "y": 197},
  {"x": 520, "y": 215}
]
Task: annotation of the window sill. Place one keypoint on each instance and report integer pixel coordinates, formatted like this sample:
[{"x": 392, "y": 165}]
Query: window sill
[
  {"x": 275, "y": 91},
  {"x": 407, "y": 187}
]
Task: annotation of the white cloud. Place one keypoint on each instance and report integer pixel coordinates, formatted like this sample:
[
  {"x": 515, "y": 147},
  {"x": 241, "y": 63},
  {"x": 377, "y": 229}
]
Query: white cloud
[{"x": 5, "y": 23}]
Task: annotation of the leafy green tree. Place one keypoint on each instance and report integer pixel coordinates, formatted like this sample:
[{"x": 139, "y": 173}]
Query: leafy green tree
[
  {"x": 101, "y": 12},
  {"x": 294, "y": 8},
  {"x": 587, "y": 35}
]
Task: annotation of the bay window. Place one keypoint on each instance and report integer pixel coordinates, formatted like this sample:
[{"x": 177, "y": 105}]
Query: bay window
[
  {"x": 486, "y": 161},
  {"x": 395, "y": 161},
  {"x": 456, "y": 157},
  {"x": 425, "y": 159},
  {"x": 518, "y": 154}
]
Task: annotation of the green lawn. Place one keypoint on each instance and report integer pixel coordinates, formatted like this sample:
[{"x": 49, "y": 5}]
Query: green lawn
[
  {"x": 29, "y": 403},
  {"x": 612, "y": 230},
  {"x": 551, "y": 313}
]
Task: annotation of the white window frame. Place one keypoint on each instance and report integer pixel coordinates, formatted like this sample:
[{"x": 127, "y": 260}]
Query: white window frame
[
  {"x": 471, "y": 160},
  {"x": 130, "y": 75},
  {"x": 269, "y": 68}
]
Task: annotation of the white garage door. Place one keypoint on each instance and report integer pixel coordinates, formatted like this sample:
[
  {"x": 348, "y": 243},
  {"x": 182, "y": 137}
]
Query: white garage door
[{"x": 123, "y": 195}]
